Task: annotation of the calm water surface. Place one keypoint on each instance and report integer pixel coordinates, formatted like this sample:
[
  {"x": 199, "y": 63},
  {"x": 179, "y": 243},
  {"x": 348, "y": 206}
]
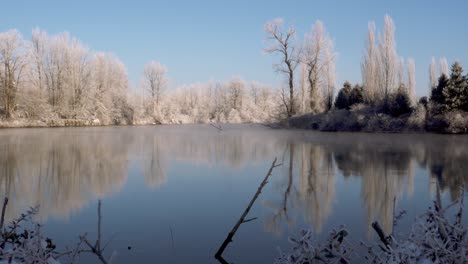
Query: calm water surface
[{"x": 172, "y": 193}]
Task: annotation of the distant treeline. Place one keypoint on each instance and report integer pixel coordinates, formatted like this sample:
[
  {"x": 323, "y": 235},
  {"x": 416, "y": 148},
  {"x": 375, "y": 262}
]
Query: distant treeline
[
  {"x": 57, "y": 81},
  {"x": 386, "y": 99}
]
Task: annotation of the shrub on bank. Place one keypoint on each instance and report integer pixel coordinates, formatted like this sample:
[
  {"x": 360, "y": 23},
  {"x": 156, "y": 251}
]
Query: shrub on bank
[
  {"x": 433, "y": 238},
  {"x": 454, "y": 122}
]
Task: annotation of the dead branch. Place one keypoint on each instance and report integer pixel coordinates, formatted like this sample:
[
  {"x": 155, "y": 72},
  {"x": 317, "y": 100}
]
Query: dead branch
[
  {"x": 5, "y": 202},
  {"x": 241, "y": 220},
  {"x": 381, "y": 234},
  {"x": 217, "y": 127},
  {"x": 250, "y": 219},
  {"x": 96, "y": 249}
]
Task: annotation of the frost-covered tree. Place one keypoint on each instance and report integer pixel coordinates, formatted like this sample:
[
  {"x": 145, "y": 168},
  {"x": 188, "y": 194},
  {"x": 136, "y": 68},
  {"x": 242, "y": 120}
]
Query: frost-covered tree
[
  {"x": 382, "y": 69},
  {"x": 154, "y": 82},
  {"x": 254, "y": 91},
  {"x": 236, "y": 89},
  {"x": 283, "y": 43},
  {"x": 110, "y": 86},
  {"x": 79, "y": 76},
  {"x": 370, "y": 66},
  {"x": 38, "y": 53},
  {"x": 329, "y": 85},
  {"x": 401, "y": 71},
  {"x": 55, "y": 67},
  {"x": 389, "y": 59},
  {"x": 412, "y": 80},
  {"x": 433, "y": 74},
  {"x": 12, "y": 66},
  {"x": 318, "y": 56},
  {"x": 303, "y": 83},
  {"x": 444, "y": 69}
]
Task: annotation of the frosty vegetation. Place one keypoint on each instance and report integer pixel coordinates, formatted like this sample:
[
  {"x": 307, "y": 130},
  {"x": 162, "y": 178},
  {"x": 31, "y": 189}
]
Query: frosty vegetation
[
  {"x": 22, "y": 241},
  {"x": 55, "y": 80},
  {"x": 434, "y": 237},
  {"x": 386, "y": 100}
]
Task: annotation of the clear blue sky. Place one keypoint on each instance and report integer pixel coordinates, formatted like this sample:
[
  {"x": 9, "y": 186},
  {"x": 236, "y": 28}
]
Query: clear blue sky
[{"x": 202, "y": 40}]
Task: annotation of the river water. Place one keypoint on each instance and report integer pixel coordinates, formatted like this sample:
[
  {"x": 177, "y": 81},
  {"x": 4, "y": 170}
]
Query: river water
[{"x": 171, "y": 194}]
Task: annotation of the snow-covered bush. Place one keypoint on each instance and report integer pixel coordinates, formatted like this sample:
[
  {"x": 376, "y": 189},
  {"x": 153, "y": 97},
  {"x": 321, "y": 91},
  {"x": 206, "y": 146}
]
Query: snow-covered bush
[{"x": 433, "y": 238}]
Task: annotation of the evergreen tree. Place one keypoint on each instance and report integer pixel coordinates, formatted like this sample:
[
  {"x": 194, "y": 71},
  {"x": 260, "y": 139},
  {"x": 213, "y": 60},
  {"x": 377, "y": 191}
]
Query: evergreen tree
[
  {"x": 343, "y": 99},
  {"x": 455, "y": 92},
  {"x": 357, "y": 95},
  {"x": 423, "y": 101},
  {"x": 400, "y": 103},
  {"x": 465, "y": 104},
  {"x": 437, "y": 95}
]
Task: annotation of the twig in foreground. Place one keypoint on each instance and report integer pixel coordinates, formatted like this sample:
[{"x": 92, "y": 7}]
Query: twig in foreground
[
  {"x": 242, "y": 220},
  {"x": 5, "y": 202}
]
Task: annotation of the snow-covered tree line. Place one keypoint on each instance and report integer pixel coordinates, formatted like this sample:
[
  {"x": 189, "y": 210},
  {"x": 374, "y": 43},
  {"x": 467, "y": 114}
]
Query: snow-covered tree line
[
  {"x": 52, "y": 80},
  {"x": 56, "y": 80},
  {"x": 232, "y": 101},
  {"x": 309, "y": 68},
  {"x": 383, "y": 70},
  {"x": 449, "y": 91}
]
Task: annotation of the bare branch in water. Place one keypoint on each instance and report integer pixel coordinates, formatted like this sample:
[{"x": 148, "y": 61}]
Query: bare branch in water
[
  {"x": 5, "y": 202},
  {"x": 250, "y": 219},
  {"x": 241, "y": 220},
  {"x": 96, "y": 249},
  {"x": 217, "y": 127}
]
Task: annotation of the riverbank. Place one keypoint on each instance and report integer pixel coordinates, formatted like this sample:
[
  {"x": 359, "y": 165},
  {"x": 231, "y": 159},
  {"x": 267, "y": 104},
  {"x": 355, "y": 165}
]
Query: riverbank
[
  {"x": 357, "y": 119},
  {"x": 366, "y": 119},
  {"x": 32, "y": 123}
]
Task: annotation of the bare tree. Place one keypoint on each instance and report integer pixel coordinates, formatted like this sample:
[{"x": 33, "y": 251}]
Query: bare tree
[
  {"x": 330, "y": 71},
  {"x": 38, "y": 53},
  {"x": 444, "y": 69},
  {"x": 401, "y": 72},
  {"x": 155, "y": 82},
  {"x": 432, "y": 74},
  {"x": 236, "y": 88},
  {"x": 254, "y": 91},
  {"x": 79, "y": 76},
  {"x": 389, "y": 59},
  {"x": 110, "y": 86},
  {"x": 316, "y": 45},
  {"x": 369, "y": 66},
  {"x": 12, "y": 65},
  {"x": 304, "y": 93},
  {"x": 55, "y": 67},
  {"x": 283, "y": 44},
  {"x": 412, "y": 80}
]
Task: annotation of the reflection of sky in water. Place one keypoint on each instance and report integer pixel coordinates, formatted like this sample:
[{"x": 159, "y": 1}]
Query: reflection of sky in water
[{"x": 196, "y": 181}]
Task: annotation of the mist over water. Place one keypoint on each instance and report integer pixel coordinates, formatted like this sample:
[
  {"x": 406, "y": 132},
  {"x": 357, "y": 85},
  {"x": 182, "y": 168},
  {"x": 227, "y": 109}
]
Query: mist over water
[{"x": 173, "y": 193}]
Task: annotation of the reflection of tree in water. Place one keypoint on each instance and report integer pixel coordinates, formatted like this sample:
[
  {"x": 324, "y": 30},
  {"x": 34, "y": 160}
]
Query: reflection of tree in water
[
  {"x": 153, "y": 164},
  {"x": 448, "y": 164},
  {"x": 383, "y": 172},
  {"x": 58, "y": 170},
  {"x": 317, "y": 184},
  {"x": 313, "y": 193},
  {"x": 385, "y": 164},
  {"x": 280, "y": 208},
  {"x": 63, "y": 169}
]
